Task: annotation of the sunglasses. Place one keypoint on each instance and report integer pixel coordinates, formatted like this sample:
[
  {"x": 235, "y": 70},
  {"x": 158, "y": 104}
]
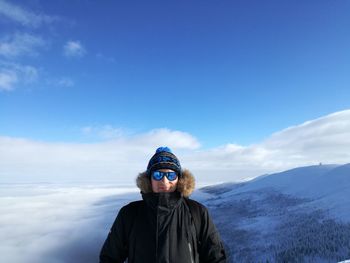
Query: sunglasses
[{"x": 158, "y": 175}]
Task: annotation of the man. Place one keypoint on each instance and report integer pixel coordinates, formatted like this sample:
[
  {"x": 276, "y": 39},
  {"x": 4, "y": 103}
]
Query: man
[{"x": 166, "y": 226}]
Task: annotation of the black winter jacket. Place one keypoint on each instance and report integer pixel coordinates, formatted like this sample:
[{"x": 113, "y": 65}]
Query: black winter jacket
[{"x": 160, "y": 229}]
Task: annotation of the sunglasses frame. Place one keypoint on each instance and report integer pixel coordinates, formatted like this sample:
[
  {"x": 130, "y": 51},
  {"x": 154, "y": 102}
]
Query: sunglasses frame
[{"x": 162, "y": 174}]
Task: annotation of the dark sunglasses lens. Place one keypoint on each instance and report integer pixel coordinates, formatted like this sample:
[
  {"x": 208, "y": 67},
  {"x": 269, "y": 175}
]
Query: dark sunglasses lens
[
  {"x": 172, "y": 176},
  {"x": 157, "y": 175}
]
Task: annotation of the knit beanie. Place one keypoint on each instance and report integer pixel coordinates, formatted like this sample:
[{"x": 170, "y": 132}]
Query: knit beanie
[{"x": 164, "y": 159}]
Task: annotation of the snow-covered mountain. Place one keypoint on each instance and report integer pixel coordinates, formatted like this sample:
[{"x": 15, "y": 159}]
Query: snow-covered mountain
[{"x": 300, "y": 215}]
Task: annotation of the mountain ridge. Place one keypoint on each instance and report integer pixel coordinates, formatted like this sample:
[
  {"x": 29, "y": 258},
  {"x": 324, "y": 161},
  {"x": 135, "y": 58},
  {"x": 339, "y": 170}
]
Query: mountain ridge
[{"x": 298, "y": 215}]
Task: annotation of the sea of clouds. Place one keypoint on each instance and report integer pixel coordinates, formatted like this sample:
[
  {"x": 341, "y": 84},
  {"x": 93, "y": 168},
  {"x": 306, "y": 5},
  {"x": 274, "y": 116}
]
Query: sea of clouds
[{"x": 58, "y": 223}]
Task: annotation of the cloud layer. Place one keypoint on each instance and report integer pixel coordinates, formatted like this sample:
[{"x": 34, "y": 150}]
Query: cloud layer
[
  {"x": 57, "y": 223},
  {"x": 120, "y": 159},
  {"x": 325, "y": 140}
]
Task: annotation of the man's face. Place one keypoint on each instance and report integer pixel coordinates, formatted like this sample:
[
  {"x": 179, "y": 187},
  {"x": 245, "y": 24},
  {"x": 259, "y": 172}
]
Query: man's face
[{"x": 164, "y": 185}]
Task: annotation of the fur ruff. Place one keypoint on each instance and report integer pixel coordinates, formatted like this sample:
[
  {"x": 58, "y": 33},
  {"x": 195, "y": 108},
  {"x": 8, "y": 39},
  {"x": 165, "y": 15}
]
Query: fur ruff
[{"x": 185, "y": 185}]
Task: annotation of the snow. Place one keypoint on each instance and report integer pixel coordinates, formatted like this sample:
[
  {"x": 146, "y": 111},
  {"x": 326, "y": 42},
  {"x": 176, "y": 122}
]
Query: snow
[
  {"x": 272, "y": 216},
  {"x": 325, "y": 186}
]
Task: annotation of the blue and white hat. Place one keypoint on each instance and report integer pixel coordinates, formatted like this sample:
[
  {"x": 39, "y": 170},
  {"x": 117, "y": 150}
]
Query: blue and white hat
[{"x": 164, "y": 159}]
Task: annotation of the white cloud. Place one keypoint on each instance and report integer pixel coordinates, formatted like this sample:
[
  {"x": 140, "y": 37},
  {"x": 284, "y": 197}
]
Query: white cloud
[
  {"x": 8, "y": 80},
  {"x": 20, "y": 44},
  {"x": 54, "y": 213},
  {"x": 65, "y": 82},
  {"x": 13, "y": 74},
  {"x": 175, "y": 139},
  {"x": 325, "y": 140},
  {"x": 120, "y": 159},
  {"x": 23, "y": 16},
  {"x": 73, "y": 49}
]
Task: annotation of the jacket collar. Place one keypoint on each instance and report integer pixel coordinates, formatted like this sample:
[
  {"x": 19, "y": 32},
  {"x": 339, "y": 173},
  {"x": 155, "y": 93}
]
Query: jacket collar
[{"x": 162, "y": 200}]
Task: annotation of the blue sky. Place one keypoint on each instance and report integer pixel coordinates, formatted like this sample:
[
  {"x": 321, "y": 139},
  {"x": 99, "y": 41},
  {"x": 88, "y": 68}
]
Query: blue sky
[
  {"x": 233, "y": 71},
  {"x": 223, "y": 72}
]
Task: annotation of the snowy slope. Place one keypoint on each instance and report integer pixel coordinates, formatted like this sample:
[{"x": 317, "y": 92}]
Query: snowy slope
[
  {"x": 325, "y": 186},
  {"x": 301, "y": 214}
]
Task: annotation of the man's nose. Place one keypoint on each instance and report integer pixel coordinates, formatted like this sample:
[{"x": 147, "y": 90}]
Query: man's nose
[{"x": 165, "y": 180}]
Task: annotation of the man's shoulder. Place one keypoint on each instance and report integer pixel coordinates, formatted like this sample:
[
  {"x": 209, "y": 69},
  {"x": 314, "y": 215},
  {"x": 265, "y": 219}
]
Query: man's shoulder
[
  {"x": 132, "y": 205},
  {"x": 131, "y": 209}
]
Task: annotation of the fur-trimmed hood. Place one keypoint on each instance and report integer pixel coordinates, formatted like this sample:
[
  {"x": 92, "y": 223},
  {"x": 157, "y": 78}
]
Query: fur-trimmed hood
[{"x": 185, "y": 185}]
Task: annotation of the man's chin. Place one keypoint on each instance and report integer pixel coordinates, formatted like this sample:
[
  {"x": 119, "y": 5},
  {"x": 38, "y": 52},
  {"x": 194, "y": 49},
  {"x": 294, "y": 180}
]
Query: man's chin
[{"x": 164, "y": 190}]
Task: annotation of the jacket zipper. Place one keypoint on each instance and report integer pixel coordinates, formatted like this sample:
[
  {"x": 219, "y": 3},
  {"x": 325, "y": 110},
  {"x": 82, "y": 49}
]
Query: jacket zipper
[
  {"x": 191, "y": 255},
  {"x": 157, "y": 235}
]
